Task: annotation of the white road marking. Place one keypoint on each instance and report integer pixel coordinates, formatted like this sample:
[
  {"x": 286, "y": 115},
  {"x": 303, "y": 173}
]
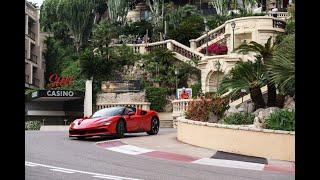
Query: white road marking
[
  {"x": 30, "y": 164},
  {"x": 230, "y": 164},
  {"x": 82, "y": 172},
  {"x": 106, "y": 177},
  {"x": 60, "y": 170},
  {"x": 129, "y": 149}
]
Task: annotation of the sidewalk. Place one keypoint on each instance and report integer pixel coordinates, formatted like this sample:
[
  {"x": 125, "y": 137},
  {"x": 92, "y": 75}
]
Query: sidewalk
[{"x": 54, "y": 128}]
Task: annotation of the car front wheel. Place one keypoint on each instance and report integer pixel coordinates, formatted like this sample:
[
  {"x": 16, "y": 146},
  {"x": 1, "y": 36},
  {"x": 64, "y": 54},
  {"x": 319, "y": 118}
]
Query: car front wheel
[
  {"x": 120, "y": 129},
  {"x": 154, "y": 126}
]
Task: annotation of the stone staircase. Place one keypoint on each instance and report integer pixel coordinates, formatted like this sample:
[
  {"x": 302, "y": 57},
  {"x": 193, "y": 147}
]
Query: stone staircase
[{"x": 165, "y": 119}]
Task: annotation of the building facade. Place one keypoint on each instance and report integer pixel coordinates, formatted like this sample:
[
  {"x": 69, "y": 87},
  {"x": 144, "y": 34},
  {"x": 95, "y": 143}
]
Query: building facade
[{"x": 34, "y": 63}]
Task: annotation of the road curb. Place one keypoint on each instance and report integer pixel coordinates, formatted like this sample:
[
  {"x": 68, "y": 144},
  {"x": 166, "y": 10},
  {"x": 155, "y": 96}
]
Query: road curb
[{"x": 120, "y": 147}]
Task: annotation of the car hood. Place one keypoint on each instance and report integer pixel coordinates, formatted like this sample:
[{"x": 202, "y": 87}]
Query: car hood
[{"x": 86, "y": 123}]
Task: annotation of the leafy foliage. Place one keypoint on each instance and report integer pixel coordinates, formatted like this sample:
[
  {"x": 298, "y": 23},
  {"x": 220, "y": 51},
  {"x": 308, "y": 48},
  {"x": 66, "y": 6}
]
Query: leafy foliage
[
  {"x": 196, "y": 89},
  {"x": 283, "y": 119},
  {"x": 199, "y": 110},
  {"x": 32, "y": 125},
  {"x": 220, "y": 105},
  {"x": 282, "y": 65},
  {"x": 77, "y": 15},
  {"x": 190, "y": 27},
  {"x": 157, "y": 97},
  {"x": 246, "y": 75},
  {"x": 239, "y": 118},
  {"x": 118, "y": 10}
]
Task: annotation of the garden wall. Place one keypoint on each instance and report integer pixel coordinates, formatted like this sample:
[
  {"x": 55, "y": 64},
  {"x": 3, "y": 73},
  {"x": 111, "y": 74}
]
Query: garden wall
[{"x": 240, "y": 139}]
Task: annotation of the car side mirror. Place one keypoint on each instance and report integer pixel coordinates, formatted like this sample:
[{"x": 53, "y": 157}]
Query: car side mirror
[{"x": 131, "y": 113}]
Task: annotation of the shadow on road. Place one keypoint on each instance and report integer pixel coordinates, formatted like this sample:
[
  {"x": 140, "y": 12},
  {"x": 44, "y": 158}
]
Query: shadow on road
[{"x": 106, "y": 138}]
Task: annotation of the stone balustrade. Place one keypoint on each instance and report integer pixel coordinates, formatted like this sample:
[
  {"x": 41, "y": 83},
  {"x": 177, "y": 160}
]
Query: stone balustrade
[
  {"x": 138, "y": 105},
  {"x": 280, "y": 15}
]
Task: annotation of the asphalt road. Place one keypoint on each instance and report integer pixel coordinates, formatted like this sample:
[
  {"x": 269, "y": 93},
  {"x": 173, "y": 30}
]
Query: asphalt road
[{"x": 53, "y": 156}]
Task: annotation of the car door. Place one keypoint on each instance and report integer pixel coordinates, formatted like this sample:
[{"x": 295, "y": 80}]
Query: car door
[
  {"x": 132, "y": 120},
  {"x": 144, "y": 120}
]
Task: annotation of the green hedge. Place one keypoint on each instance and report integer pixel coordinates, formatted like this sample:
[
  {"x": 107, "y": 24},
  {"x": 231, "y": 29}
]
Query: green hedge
[
  {"x": 239, "y": 118},
  {"x": 157, "y": 97},
  {"x": 283, "y": 119},
  {"x": 32, "y": 125}
]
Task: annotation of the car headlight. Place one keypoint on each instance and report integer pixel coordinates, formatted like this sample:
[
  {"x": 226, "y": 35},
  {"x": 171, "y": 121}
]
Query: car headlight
[{"x": 105, "y": 123}]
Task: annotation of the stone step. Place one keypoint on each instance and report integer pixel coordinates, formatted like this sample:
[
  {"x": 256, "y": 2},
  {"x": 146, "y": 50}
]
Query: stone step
[{"x": 166, "y": 123}]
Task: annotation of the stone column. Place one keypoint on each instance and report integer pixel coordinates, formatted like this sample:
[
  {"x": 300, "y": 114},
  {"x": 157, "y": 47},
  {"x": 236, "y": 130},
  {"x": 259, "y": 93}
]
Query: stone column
[
  {"x": 193, "y": 44},
  {"x": 169, "y": 45},
  {"x": 31, "y": 74},
  {"x": 88, "y": 99},
  {"x": 26, "y": 25}
]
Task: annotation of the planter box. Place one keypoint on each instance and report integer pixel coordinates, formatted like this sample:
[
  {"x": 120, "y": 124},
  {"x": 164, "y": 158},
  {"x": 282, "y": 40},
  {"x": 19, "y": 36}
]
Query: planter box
[{"x": 240, "y": 139}]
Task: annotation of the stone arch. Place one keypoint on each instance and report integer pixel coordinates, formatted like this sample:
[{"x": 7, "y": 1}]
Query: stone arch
[{"x": 212, "y": 80}]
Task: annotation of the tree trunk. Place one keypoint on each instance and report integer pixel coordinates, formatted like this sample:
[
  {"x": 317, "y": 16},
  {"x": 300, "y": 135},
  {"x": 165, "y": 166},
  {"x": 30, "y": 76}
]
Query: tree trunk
[
  {"x": 280, "y": 100},
  {"x": 272, "y": 95},
  {"x": 257, "y": 98}
]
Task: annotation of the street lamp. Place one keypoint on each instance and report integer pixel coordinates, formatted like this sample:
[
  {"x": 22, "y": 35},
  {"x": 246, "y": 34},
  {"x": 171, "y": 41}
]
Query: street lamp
[
  {"x": 233, "y": 25},
  {"x": 207, "y": 31},
  {"x": 176, "y": 72},
  {"x": 217, "y": 65},
  {"x": 243, "y": 91}
]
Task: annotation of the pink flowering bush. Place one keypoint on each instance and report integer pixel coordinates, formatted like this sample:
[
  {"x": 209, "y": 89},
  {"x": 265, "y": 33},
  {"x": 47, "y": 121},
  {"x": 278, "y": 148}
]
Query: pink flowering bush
[{"x": 216, "y": 49}]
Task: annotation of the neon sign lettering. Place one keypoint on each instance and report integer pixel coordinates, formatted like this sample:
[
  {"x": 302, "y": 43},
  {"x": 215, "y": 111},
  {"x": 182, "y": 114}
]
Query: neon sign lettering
[{"x": 56, "y": 81}]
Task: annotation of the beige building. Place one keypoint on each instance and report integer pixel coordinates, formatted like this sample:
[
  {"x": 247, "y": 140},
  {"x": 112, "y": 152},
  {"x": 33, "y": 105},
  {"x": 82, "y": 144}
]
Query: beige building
[{"x": 34, "y": 63}]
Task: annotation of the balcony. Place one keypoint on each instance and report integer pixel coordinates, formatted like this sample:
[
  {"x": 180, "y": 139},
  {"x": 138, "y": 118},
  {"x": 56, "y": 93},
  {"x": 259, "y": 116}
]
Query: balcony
[
  {"x": 34, "y": 58},
  {"x": 36, "y": 82},
  {"x": 32, "y": 35}
]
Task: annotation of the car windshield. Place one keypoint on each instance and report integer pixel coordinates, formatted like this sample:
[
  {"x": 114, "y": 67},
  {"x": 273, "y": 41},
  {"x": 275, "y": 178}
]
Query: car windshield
[{"x": 107, "y": 112}]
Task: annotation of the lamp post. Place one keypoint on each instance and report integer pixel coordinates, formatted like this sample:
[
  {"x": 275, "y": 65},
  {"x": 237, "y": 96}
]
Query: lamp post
[
  {"x": 233, "y": 25},
  {"x": 176, "y": 72},
  {"x": 217, "y": 65},
  {"x": 242, "y": 93},
  {"x": 207, "y": 32}
]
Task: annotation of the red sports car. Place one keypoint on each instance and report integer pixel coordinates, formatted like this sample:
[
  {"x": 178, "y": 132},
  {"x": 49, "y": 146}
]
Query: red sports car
[{"x": 115, "y": 121}]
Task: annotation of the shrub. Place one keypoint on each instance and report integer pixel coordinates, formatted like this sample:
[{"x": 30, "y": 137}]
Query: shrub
[
  {"x": 203, "y": 109},
  {"x": 219, "y": 106},
  {"x": 157, "y": 97},
  {"x": 32, "y": 125},
  {"x": 239, "y": 118},
  {"x": 216, "y": 49},
  {"x": 199, "y": 110},
  {"x": 283, "y": 119},
  {"x": 196, "y": 89}
]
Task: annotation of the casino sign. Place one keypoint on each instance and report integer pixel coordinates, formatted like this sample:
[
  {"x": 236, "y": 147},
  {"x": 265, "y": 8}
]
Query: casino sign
[{"x": 57, "y": 94}]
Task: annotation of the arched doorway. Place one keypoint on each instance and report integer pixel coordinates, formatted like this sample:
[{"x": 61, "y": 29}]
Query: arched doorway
[{"x": 213, "y": 79}]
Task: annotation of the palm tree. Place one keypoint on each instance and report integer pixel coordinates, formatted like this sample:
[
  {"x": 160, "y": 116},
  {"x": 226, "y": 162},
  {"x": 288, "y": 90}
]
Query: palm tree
[
  {"x": 246, "y": 75},
  {"x": 266, "y": 52},
  {"x": 282, "y": 65}
]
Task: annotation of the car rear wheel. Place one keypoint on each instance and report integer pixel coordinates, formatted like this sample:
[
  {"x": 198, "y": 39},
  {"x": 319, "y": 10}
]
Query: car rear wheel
[
  {"x": 154, "y": 126},
  {"x": 120, "y": 129}
]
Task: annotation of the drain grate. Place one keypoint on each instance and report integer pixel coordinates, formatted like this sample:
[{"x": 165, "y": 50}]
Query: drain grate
[{"x": 239, "y": 157}]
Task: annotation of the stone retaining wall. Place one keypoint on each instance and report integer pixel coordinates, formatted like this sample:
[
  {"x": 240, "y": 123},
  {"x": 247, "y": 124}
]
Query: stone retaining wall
[{"x": 240, "y": 139}]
